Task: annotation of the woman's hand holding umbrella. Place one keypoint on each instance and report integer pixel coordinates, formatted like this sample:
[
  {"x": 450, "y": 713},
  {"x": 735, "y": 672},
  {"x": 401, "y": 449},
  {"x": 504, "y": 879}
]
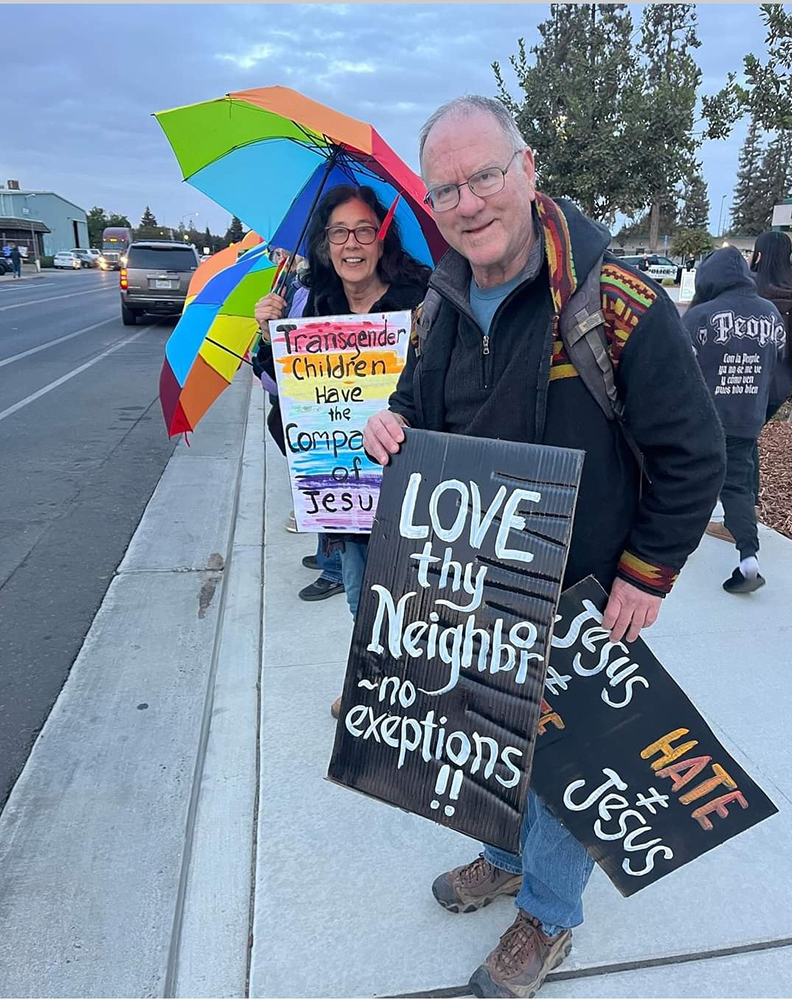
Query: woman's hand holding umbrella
[{"x": 272, "y": 306}]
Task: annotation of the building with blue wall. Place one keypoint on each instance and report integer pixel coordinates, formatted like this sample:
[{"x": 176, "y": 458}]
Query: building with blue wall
[{"x": 58, "y": 224}]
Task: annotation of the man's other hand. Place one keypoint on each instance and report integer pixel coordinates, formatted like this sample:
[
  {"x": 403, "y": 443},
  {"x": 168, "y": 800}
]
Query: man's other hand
[
  {"x": 629, "y": 610},
  {"x": 383, "y": 435}
]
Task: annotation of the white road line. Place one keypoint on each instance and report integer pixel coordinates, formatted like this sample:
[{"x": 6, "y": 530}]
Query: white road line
[
  {"x": 65, "y": 378},
  {"x": 52, "y": 343},
  {"x": 52, "y": 298},
  {"x": 19, "y": 288}
]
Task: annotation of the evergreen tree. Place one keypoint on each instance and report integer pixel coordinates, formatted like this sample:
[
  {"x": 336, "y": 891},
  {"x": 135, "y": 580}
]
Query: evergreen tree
[
  {"x": 150, "y": 229},
  {"x": 577, "y": 103},
  {"x": 775, "y": 178},
  {"x": 148, "y": 220},
  {"x": 235, "y": 232},
  {"x": 747, "y": 193},
  {"x": 208, "y": 241},
  {"x": 696, "y": 208},
  {"x": 668, "y": 143}
]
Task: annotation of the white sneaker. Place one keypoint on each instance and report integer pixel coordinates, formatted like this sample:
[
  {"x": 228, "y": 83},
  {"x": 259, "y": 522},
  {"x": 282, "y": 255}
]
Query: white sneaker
[{"x": 291, "y": 523}]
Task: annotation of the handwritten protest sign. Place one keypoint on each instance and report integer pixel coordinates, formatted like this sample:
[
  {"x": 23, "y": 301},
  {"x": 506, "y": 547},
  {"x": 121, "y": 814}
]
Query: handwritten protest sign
[
  {"x": 446, "y": 670},
  {"x": 333, "y": 373},
  {"x": 687, "y": 286},
  {"x": 625, "y": 760}
]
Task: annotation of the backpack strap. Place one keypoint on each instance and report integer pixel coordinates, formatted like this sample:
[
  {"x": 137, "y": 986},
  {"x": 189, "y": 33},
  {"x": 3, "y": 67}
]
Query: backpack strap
[
  {"x": 423, "y": 317},
  {"x": 582, "y": 328}
]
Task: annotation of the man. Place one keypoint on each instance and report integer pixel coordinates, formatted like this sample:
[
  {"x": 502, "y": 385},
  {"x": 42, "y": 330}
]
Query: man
[
  {"x": 739, "y": 339},
  {"x": 16, "y": 261},
  {"x": 492, "y": 364}
]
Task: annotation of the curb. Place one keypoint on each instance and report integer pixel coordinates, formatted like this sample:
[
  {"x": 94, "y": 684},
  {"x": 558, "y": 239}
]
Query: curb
[
  {"x": 103, "y": 827},
  {"x": 216, "y": 885}
]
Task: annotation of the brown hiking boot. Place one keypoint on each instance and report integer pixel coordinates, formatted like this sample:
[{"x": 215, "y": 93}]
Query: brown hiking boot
[
  {"x": 472, "y": 886},
  {"x": 717, "y": 529},
  {"x": 522, "y": 960},
  {"x": 335, "y": 708}
]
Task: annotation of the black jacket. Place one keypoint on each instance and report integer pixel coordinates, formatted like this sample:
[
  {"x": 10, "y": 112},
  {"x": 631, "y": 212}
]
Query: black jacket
[
  {"x": 738, "y": 338},
  {"x": 782, "y": 381},
  {"x": 667, "y": 407}
]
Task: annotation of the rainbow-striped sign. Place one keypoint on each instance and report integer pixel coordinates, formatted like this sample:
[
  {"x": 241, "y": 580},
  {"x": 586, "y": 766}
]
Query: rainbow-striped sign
[{"x": 333, "y": 374}]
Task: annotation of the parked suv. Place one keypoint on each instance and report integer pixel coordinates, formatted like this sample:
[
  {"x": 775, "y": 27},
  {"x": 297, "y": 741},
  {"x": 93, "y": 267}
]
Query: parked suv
[{"x": 155, "y": 279}]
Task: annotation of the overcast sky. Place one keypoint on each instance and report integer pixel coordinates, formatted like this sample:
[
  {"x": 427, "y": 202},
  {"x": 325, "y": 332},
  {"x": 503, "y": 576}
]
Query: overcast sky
[{"x": 81, "y": 82}]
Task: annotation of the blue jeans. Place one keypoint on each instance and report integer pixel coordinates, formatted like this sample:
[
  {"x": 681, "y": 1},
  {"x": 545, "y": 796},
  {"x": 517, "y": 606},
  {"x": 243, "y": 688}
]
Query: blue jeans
[
  {"x": 555, "y": 869},
  {"x": 353, "y": 564},
  {"x": 329, "y": 566}
]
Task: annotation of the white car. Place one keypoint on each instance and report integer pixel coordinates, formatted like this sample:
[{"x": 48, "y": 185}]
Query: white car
[{"x": 67, "y": 259}]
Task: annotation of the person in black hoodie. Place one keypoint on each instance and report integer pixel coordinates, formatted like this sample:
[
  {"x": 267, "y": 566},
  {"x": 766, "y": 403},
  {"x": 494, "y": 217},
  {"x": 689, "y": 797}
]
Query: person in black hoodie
[
  {"x": 491, "y": 364},
  {"x": 738, "y": 338}
]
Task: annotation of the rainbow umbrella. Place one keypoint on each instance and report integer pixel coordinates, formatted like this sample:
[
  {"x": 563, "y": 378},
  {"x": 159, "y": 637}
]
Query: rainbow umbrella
[
  {"x": 218, "y": 262},
  {"x": 266, "y": 155},
  {"x": 209, "y": 342}
]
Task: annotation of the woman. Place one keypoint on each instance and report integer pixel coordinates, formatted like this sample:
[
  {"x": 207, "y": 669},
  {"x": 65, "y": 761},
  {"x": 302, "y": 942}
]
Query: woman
[
  {"x": 351, "y": 270},
  {"x": 772, "y": 271}
]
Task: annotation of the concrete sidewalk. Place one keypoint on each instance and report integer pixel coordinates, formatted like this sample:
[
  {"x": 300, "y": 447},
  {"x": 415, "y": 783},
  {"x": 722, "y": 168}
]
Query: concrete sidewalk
[
  {"x": 126, "y": 844},
  {"x": 173, "y": 834},
  {"x": 343, "y": 902}
]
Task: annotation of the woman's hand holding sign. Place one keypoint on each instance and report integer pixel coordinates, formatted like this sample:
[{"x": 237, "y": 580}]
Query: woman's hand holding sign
[
  {"x": 383, "y": 435},
  {"x": 272, "y": 306}
]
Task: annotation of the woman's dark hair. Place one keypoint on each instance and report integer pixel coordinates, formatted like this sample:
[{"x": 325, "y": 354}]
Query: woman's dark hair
[
  {"x": 395, "y": 264},
  {"x": 774, "y": 267}
]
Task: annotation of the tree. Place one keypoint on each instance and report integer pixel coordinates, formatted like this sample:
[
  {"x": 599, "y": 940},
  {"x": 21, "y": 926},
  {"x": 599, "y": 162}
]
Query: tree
[
  {"x": 577, "y": 105},
  {"x": 691, "y": 243},
  {"x": 768, "y": 93},
  {"x": 748, "y": 196},
  {"x": 696, "y": 208},
  {"x": 97, "y": 223},
  {"x": 667, "y": 144},
  {"x": 775, "y": 177},
  {"x": 119, "y": 220},
  {"x": 150, "y": 229},
  {"x": 235, "y": 232},
  {"x": 208, "y": 240},
  {"x": 148, "y": 220},
  {"x": 639, "y": 228}
]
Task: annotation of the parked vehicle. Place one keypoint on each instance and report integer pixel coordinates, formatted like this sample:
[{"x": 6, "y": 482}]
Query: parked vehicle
[
  {"x": 115, "y": 243},
  {"x": 155, "y": 279},
  {"x": 67, "y": 259},
  {"x": 655, "y": 266},
  {"x": 85, "y": 257},
  {"x": 5, "y": 265}
]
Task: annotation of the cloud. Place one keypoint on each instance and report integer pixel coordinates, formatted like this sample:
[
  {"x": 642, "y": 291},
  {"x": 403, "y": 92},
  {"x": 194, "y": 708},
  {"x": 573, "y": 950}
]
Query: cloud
[
  {"x": 82, "y": 124},
  {"x": 251, "y": 58}
]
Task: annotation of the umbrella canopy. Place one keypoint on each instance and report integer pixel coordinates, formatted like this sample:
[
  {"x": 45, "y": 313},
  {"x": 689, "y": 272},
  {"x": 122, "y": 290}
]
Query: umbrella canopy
[
  {"x": 264, "y": 154},
  {"x": 207, "y": 345},
  {"x": 219, "y": 262}
]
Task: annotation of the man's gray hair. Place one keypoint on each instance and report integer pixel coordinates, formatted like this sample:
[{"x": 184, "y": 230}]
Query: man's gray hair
[{"x": 463, "y": 106}]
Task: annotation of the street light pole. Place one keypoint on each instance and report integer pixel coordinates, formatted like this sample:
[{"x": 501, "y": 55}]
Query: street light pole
[
  {"x": 33, "y": 236},
  {"x": 187, "y": 216},
  {"x": 720, "y": 214}
]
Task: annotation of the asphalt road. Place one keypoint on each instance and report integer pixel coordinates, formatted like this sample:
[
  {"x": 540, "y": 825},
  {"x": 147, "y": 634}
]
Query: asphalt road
[{"x": 82, "y": 446}]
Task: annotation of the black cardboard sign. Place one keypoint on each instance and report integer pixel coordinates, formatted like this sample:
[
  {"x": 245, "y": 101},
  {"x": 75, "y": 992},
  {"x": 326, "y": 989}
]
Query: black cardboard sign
[
  {"x": 446, "y": 668},
  {"x": 625, "y": 760}
]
